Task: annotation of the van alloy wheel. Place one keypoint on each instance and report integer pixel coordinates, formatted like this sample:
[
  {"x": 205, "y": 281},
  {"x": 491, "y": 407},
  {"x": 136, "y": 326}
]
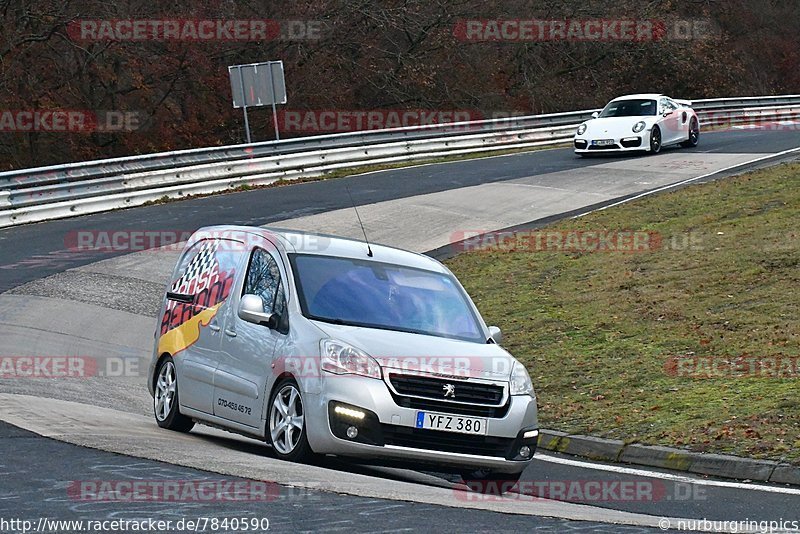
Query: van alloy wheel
[
  {"x": 286, "y": 421},
  {"x": 165, "y": 399}
]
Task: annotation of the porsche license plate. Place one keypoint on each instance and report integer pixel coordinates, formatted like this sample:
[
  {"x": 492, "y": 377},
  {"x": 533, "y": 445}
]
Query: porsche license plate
[
  {"x": 452, "y": 423},
  {"x": 603, "y": 142}
]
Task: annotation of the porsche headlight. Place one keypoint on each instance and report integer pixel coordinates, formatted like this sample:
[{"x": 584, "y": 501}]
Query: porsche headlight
[
  {"x": 520, "y": 380},
  {"x": 582, "y": 129},
  {"x": 341, "y": 358},
  {"x": 639, "y": 126}
]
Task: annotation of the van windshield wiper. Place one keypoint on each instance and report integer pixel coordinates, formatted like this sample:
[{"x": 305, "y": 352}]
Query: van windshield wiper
[{"x": 331, "y": 320}]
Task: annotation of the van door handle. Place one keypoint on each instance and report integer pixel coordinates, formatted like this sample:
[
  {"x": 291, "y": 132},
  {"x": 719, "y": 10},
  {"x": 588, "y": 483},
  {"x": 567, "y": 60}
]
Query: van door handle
[
  {"x": 214, "y": 328},
  {"x": 230, "y": 333}
]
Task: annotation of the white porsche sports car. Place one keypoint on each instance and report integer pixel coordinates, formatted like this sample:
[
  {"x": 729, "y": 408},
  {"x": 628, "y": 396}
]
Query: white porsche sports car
[{"x": 632, "y": 123}]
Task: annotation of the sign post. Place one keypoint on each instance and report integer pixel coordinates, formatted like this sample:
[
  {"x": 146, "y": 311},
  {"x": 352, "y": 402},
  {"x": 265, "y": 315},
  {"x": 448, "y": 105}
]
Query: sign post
[
  {"x": 258, "y": 84},
  {"x": 274, "y": 113},
  {"x": 244, "y": 107}
]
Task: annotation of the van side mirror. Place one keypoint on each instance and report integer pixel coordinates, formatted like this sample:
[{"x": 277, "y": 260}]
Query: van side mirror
[
  {"x": 496, "y": 334},
  {"x": 251, "y": 309},
  {"x": 595, "y": 115}
]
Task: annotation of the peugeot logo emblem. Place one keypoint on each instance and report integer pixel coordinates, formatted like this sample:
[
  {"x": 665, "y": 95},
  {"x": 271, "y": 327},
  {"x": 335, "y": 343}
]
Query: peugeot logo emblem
[{"x": 449, "y": 390}]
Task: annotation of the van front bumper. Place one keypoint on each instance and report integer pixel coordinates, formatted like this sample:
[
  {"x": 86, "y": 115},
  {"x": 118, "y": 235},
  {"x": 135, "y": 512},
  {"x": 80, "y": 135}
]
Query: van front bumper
[{"x": 387, "y": 432}]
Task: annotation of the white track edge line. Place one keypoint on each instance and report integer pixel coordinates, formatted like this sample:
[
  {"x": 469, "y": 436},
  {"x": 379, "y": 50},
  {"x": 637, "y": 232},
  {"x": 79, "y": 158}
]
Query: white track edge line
[
  {"x": 689, "y": 180},
  {"x": 666, "y": 476}
]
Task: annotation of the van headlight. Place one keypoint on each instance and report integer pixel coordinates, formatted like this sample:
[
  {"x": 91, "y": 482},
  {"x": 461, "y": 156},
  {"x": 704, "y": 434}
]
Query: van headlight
[
  {"x": 520, "y": 380},
  {"x": 639, "y": 126},
  {"x": 341, "y": 358},
  {"x": 582, "y": 129}
]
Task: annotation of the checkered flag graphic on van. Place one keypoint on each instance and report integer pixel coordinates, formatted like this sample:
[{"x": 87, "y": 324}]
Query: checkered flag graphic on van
[{"x": 202, "y": 262}]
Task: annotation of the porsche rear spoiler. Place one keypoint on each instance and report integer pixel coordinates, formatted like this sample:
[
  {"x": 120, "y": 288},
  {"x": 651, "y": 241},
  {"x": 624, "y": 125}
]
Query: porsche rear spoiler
[{"x": 687, "y": 103}]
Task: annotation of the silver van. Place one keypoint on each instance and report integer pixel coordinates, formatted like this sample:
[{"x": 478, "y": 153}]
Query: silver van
[{"x": 328, "y": 346}]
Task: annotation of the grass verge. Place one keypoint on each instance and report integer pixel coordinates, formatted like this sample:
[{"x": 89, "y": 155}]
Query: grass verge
[{"x": 694, "y": 343}]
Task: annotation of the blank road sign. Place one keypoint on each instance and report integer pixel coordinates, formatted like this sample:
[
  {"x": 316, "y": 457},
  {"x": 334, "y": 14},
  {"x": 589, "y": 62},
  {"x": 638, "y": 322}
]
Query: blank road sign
[{"x": 259, "y": 89}]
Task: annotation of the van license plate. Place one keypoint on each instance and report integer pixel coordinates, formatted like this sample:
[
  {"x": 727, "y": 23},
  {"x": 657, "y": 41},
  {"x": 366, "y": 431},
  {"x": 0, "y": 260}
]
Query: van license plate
[{"x": 452, "y": 423}]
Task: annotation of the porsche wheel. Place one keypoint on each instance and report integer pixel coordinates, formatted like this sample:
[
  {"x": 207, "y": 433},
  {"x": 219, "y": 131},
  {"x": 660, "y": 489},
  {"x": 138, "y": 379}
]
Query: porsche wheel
[
  {"x": 694, "y": 134},
  {"x": 655, "y": 140}
]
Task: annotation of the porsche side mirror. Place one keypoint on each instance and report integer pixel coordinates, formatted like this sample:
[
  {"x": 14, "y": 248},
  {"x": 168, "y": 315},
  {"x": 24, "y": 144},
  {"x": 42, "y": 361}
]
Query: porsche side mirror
[{"x": 595, "y": 115}]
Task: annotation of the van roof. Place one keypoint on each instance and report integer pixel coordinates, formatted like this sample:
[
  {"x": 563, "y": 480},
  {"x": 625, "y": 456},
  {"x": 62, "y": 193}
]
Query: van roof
[{"x": 299, "y": 242}]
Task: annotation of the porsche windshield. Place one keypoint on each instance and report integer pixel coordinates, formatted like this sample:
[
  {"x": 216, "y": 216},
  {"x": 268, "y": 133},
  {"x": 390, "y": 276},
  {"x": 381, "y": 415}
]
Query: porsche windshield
[
  {"x": 379, "y": 295},
  {"x": 629, "y": 108}
]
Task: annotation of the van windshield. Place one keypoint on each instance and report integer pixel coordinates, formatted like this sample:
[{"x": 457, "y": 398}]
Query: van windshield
[{"x": 380, "y": 295}]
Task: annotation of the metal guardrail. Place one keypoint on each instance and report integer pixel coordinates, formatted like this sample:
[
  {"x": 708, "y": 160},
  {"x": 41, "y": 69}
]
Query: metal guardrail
[
  {"x": 166, "y": 160},
  {"x": 745, "y": 102},
  {"x": 755, "y": 116},
  {"x": 31, "y": 195}
]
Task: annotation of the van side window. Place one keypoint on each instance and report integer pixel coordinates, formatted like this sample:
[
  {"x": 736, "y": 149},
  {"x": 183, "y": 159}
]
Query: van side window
[
  {"x": 264, "y": 279},
  {"x": 203, "y": 279}
]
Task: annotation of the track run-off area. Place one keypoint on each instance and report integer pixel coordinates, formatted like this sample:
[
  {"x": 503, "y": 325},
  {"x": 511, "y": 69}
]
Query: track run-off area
[{"x": 56, "y": 301}]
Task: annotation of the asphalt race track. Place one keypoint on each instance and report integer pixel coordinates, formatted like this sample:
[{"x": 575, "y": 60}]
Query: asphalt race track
[
  {"x": 34, "y": 251},
  {"x": 61, "y": 302},
  {"x": 32, "y": 492}
]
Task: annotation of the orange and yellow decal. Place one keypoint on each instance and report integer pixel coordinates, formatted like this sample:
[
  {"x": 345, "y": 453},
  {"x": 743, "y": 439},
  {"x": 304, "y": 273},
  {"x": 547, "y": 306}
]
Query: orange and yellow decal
[{"x": 187, "y": 334}]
